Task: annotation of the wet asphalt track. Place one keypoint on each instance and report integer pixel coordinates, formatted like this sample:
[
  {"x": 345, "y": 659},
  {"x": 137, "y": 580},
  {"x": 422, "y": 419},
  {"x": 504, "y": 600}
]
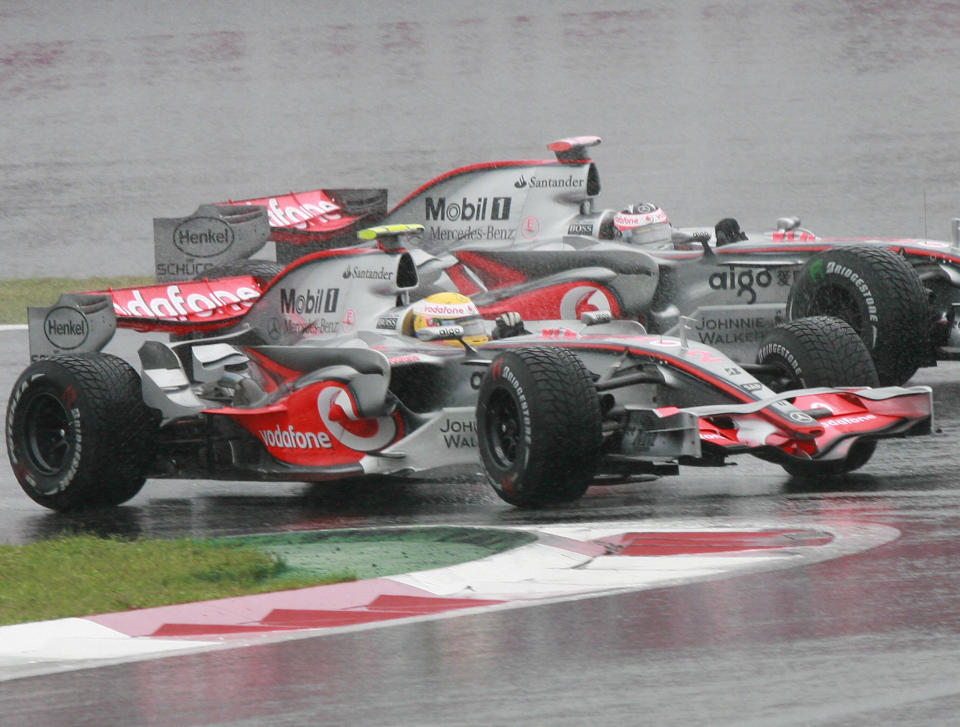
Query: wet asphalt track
[{"x": 865, "y": 639}]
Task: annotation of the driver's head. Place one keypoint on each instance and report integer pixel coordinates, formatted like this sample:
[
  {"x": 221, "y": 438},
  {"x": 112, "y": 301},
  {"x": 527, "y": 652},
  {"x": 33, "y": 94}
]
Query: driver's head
[
  {"x": 447, "y": 309},
  {"x": 643, "y": 223}
]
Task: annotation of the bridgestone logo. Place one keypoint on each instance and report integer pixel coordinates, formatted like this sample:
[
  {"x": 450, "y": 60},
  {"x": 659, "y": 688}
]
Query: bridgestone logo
[
  {"x": 522, "y": 400},
  {"x": 859, "y": 283},
  {"x": 783, "y": 352}
]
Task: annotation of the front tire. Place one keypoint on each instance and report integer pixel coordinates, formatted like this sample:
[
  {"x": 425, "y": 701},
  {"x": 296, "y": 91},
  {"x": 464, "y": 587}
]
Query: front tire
[
  {"x": 814, "y": 352},
  {"x": 539, "y": 423},
  {"x": 860, "y": 453},
  {"x": 78, "y": 432},
  {"x": 879, "y": 294}
]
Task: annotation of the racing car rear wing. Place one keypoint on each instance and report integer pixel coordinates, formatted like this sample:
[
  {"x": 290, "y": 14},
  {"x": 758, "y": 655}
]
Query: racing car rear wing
[
  {"x": 298, "y": 222},
  {"x": 185, "y": 247},
  {"x": 77, "y": 323},
  {"x": 81, "y": 322},
  {"x": 320, "y": 219}
]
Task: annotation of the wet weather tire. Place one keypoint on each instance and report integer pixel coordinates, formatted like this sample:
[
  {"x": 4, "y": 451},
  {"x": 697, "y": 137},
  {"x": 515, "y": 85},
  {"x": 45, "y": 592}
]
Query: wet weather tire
[
  {"x": 78, "y": 432},
  {"x": 860, "y": 454},
  {"x": 539, "y": 424},
  {"x": 816, "y": 351},
  {"x": 878, "y": 293}
]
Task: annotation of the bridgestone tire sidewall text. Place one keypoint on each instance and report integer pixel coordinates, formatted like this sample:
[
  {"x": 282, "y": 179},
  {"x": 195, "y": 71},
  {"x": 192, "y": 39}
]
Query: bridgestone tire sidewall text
[{"x": 539, "y": 424}]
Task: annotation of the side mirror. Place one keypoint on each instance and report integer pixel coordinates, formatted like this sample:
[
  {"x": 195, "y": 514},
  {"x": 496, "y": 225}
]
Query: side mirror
[
  {"x": 596, "y": 317},
  {"x": 788, "y": 223}
]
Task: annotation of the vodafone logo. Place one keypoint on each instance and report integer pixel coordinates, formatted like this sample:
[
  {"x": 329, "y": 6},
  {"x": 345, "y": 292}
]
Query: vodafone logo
[
  {"x": 303, "y": 210},
  {"x": 183, "y": 301},
  {"x": 448, "y": 310},
  {"x": 339, "y": 415},
  {"x": 583, "y": 299},
  {"x": 628, "y": 220}
]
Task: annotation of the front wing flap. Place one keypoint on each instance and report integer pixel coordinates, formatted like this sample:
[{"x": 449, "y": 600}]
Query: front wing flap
[{"x": 842, "y": 417}]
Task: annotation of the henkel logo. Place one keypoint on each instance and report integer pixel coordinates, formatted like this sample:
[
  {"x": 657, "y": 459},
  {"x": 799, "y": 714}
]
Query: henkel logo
[
  {"x": 484, "y": 208},
  {"x": 203, "y": 236},
  {"x": 65, "y": 328}
]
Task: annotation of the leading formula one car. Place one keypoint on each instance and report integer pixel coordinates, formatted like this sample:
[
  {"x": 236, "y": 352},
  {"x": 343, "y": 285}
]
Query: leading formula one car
[
  {"x": 329, "y": 371},
  {"x": 528, "y": 236}
]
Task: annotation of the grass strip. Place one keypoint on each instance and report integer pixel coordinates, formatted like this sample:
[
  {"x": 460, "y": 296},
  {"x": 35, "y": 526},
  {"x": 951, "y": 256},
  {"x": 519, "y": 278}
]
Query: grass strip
[
  {"x": 79, "y": 575},
  {"x": 377, "y": 553},
  {"x": 82, "y": 575},
  {"x": 17, "y": 295}
]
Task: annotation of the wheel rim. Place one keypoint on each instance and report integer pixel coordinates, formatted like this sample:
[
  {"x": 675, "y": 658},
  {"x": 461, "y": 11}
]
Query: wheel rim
[
  {"x": 503, "y": 428},
  {"x": 48, "y": 431},
  {"x": 835, "y": 301}
]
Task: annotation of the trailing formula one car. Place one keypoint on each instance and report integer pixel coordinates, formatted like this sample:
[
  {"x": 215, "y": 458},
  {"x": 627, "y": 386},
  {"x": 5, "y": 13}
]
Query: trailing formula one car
[
  {"x": 527, "y": 236},
  {"x": 331, "y": 370}
]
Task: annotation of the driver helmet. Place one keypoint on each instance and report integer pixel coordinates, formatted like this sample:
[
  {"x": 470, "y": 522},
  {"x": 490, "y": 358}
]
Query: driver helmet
[
  {"x": 643, "y": 223},
  {"x": 447, "y": 309}
]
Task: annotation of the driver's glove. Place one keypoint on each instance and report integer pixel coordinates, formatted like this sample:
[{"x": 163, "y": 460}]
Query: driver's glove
[{"x": 508, "y": 324}]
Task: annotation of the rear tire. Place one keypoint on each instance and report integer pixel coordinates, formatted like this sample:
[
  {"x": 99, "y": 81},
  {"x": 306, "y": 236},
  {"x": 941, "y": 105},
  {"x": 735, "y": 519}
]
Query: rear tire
[
  {"x": 78, "y": 432},
  {"x": 879, "y": 294},
  {"x": 539, "y": 423}
]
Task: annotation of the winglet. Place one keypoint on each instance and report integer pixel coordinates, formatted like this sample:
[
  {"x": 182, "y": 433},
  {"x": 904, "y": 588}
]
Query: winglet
[
  {"x": 574, "y": 148},
  {"x": 390, "y": 238}
]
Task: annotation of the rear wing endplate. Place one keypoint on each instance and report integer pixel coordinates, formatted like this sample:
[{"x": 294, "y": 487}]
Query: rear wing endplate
[
  {"x": 77, "y": 323},
  {"x": 186, "y": 247}
]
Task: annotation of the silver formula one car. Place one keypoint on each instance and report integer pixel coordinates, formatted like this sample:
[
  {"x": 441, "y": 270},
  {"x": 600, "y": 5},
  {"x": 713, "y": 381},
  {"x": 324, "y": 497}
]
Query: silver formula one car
[
  {"x": 331, "y": 371},
  {"x": 528, "y": 236}
]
